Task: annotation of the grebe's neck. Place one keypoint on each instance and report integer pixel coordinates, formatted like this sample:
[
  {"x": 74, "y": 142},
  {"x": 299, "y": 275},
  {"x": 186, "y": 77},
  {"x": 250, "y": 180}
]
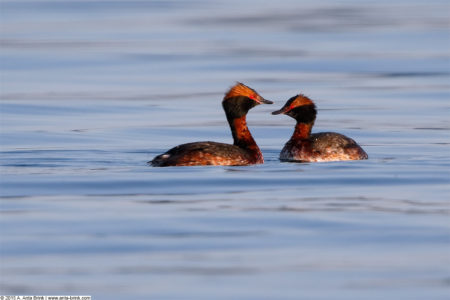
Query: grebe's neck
[
  {"x": 241, "y": 135},
  {"x": 305, "y": 116},
  {"x": 243, "y": 138},
  {"x": 236, "y": 109},
  {"x": 302, "y": 131}
]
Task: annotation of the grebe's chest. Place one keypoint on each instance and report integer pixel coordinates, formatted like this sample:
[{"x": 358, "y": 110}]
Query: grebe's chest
[{"x": 297, "y": 150}]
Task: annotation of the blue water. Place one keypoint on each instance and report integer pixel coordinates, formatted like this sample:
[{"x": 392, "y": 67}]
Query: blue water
[{"x": 92, "y": 90}]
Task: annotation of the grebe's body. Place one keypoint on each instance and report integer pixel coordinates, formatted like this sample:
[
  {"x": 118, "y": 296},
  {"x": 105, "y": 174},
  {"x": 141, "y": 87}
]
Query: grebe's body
[
  {"x": 244, "y": 151},
  {"x": 208, "y": 153},
  {"x": 318, "y": 147}
]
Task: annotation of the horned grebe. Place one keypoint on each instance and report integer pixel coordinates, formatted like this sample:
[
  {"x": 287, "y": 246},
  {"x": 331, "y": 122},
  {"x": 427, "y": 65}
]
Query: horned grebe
[
  {"x": 306, "y": 147},
  {"x": 236, "y": 103}
]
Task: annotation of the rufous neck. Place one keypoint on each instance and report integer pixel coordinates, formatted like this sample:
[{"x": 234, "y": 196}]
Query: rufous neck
[
  {"x": 241, "y": 135},
  {"x": 302, "y": 131},
  {"x": 244, "y": 139}
]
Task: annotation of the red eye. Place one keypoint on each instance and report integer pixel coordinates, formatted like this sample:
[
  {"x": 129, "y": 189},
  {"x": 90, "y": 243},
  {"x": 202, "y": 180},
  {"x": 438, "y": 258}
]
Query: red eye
[
  {"x": 253, "y": 97},
  {"x": 291, "y": 106}
]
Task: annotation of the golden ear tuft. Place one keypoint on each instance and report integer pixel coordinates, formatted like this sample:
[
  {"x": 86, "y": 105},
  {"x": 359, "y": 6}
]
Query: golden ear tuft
[
  {"x": 301, "y": 100},
  {"x": 240, "y": 89}
]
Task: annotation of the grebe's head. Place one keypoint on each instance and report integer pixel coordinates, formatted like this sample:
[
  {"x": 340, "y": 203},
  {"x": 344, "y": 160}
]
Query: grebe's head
[
  {"x": 300, "y": 108},
  {"x": 240, "y": 99}
]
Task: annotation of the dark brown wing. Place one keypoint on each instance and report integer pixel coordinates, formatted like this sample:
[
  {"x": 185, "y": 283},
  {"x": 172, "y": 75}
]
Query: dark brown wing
[{"x": 335, "y": 146}]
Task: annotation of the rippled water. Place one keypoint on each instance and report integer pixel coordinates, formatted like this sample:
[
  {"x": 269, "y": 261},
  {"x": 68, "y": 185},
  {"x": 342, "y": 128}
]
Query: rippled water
[{"x": 92, "y": 90}]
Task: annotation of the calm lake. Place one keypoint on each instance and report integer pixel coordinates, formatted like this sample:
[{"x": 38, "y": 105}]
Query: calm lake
[{"x": 92, "y": 90}]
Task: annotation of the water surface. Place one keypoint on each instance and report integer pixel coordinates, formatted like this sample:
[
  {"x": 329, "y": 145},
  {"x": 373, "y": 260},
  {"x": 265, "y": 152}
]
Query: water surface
[{"x": 92, "y": 90}]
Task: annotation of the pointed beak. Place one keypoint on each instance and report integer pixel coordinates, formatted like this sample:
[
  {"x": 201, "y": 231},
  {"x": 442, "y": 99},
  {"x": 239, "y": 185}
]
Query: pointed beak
[
  {"x": 265, "y": 101},
  {"x": 280, "y": 111}
]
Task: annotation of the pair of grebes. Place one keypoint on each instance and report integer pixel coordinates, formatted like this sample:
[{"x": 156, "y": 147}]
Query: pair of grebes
[{"x": 302, "y": 147}]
